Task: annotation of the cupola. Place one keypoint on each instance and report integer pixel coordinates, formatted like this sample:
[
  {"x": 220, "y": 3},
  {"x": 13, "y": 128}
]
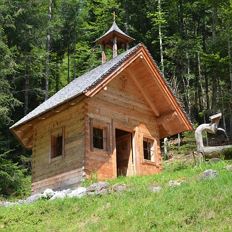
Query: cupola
[{"x": 114, "y": 39}]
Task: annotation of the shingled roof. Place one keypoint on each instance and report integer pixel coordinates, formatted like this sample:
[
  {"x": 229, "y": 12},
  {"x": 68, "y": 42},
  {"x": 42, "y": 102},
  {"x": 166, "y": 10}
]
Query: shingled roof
[
  {"x": 78, "y": 86},
  {"x": 114, "y": 30}
]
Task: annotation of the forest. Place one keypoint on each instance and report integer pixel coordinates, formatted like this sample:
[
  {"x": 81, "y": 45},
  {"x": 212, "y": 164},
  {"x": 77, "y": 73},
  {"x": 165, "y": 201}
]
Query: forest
[{"x": 45, "y": 44}]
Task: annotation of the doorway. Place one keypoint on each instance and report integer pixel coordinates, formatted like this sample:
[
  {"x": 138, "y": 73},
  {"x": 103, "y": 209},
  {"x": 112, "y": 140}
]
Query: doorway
[{"x": 123, "y": 152}]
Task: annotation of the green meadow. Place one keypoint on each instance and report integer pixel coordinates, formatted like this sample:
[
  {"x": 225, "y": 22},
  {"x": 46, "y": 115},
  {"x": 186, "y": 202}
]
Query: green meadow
[{"x": 196, "y": 205}]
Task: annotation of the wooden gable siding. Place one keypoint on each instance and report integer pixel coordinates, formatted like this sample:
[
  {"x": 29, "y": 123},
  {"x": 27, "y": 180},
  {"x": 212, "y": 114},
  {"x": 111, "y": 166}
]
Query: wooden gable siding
[
  {"x": 64, "y": 170},
  {"x": 171, "y": 118},
  {"x": 121, "y": 105}
]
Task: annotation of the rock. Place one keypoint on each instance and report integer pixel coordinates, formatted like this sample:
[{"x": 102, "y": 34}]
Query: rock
[
  {"x": 209, "y": 174},
  {"x": 58, "y": 195},
  {"x": 21, "y": 202},
  {"x": 175, "y": 183},
  {"x": 155, "y": 188},
  {"x": 66, "y": 191},
  {"x": 228, "y": 168},
  {"x": 79, "y": 192},
  {"x": 97, "y": 187},
  {"x": 102, "y": 192},
  {"x": 48, "y": 193},
  {"x": 214, "y": 160},
  {"x": 1, "y": 203},
  {"x": 119, "y": 187},
  {"x": 90, "y": 193},
  {"x": 34, "y": 197},
  {"x": 107, "y": 206},
  {"x": 8, "y": 204}
]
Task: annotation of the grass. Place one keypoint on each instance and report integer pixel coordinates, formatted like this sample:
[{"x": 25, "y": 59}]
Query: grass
[{"x": 197, "y": 205}]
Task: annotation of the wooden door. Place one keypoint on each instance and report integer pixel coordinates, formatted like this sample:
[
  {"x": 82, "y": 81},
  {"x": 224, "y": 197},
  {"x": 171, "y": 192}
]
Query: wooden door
[{"x": 124, "y": 159}]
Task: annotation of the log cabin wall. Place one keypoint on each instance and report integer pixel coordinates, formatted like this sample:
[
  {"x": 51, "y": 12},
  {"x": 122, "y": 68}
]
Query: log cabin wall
[
  {"x": 120, "y": 105},
  {"x": 65, "y": 170}
]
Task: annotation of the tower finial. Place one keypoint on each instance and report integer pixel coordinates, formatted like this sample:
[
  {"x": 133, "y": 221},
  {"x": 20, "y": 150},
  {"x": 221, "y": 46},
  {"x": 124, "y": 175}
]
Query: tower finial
[
  {"x": 114, "y": 38},
  {"x": 114, "y": 16}
]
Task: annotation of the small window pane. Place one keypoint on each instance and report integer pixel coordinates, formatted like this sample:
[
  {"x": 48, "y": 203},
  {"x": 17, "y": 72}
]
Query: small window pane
[
  {"x": 98, "y": 138},
  {"x": 57, "y": 146},
  {"x": 147, "y": 149}
]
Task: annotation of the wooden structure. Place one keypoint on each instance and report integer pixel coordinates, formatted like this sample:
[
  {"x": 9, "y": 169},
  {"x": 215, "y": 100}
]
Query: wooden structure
[
  {"x": 108, "y": 122},
  {"x": 210, "y": 128}
]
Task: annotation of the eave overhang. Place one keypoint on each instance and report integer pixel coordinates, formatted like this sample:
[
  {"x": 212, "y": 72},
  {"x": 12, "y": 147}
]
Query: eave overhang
[{"x": 168, "y": 111}]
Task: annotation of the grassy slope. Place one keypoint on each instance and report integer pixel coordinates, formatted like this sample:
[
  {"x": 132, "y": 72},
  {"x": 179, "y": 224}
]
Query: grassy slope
[{"x": 194, "y": 206}]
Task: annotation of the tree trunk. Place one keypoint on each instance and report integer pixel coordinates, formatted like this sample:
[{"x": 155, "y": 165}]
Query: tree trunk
[
  {"x": 68, "y": 78},
  {"x": 181, "y": 18},
  {"x": 74, "y": 65},
  {"x": 206, "y": 86},
  {"x": 188, "y": 85},
  {"x": 230, "y": 71},
  {"x": 214, "y": 22},
  {"x": 48, "y": 51},
  {"x": 161, "y": 39},
  {"x": 214, "y": 101},
  {"x": 201, "y": 91},
  {"x": 26, "y": 93},
  {"x": 57, "y": 76}
]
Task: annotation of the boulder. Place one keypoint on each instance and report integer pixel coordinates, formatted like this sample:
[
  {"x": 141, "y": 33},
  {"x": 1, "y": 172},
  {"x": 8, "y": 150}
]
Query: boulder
[
  {"x": 8, "y": 203},
  {"x": 155, "y": 188},
  {"x": 58, "y": 195},
  {"x": 214, "y": 160},
  {"x": 102, "y": 192},
  {"x": 48, "y": 193},
  {"x": 175, "y": 183},
  {"x": 33, "y": 198},
  {"x": 228, "y": 168},
  {"x": 79, "y": 192},
  {"x": 21, "y": 202},
  {"x": 97, "y": 187},
  {"x": 119, "y": 187},
  {"x": 209, "y": 174}
]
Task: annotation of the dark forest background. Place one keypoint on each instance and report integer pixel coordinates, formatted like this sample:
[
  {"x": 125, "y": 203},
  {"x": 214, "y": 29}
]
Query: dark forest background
[{"x": 45, "y": 44}]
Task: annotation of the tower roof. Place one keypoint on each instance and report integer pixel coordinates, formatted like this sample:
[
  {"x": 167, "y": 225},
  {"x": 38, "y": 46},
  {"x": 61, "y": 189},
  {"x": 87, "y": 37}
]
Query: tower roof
[{"x": 114, "y": 31}]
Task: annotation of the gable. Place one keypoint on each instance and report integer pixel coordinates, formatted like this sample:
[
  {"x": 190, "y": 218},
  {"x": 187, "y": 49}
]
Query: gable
[
  {"x": 122, "y": 92},
  {"x": 143, "y": 72},
  {"x": 137, "y": 64}
]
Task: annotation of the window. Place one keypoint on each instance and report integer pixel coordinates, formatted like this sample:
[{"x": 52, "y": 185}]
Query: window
[
  {"x": 57, "y": 143},
  {"x": 98, "y": 138},
  {"x": 99, "y": 135},
  {"x": 148, "y": 151}
]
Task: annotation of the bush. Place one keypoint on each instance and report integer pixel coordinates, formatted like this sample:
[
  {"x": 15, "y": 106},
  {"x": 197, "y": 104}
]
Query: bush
[
  {"x": 227, "y": 153},
  {"x": 12, "y": 178},
  {"x": 177, "y": 166}
]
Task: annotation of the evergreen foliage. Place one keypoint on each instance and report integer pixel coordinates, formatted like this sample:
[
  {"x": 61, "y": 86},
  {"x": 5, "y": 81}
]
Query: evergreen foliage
[
  {"x": 41, "y": 52},
  {"x": 12, "y": 177}
]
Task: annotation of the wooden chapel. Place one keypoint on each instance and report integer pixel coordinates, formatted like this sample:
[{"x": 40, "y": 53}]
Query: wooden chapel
[{"x": 107, "y": 122}]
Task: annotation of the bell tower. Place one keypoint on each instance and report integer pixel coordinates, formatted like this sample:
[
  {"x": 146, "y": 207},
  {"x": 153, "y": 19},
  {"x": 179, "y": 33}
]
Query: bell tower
[{"x": 114, "y": 39}]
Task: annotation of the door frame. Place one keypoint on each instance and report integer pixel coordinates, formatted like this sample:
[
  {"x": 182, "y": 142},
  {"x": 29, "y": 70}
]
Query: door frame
[{"x": 120, "y": 126}]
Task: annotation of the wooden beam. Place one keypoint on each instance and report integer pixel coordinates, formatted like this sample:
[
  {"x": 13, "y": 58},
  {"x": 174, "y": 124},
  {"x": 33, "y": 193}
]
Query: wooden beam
[
  {"x": 145, "y": 95},
  {"x": 168, "y": 116},
  {"x": 168, "y": 93},
  {"x": 120, "y": 69}
]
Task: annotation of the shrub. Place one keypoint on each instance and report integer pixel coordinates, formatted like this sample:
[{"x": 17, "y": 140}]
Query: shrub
[
  {"x": 177, "y": 166},
  {"x": 12, "y": 177},
  {"x": 227, "y": 153}
]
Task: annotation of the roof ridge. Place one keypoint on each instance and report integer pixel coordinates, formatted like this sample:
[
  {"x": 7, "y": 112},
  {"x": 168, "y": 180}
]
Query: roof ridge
[{"x": 78, "y": 86}]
